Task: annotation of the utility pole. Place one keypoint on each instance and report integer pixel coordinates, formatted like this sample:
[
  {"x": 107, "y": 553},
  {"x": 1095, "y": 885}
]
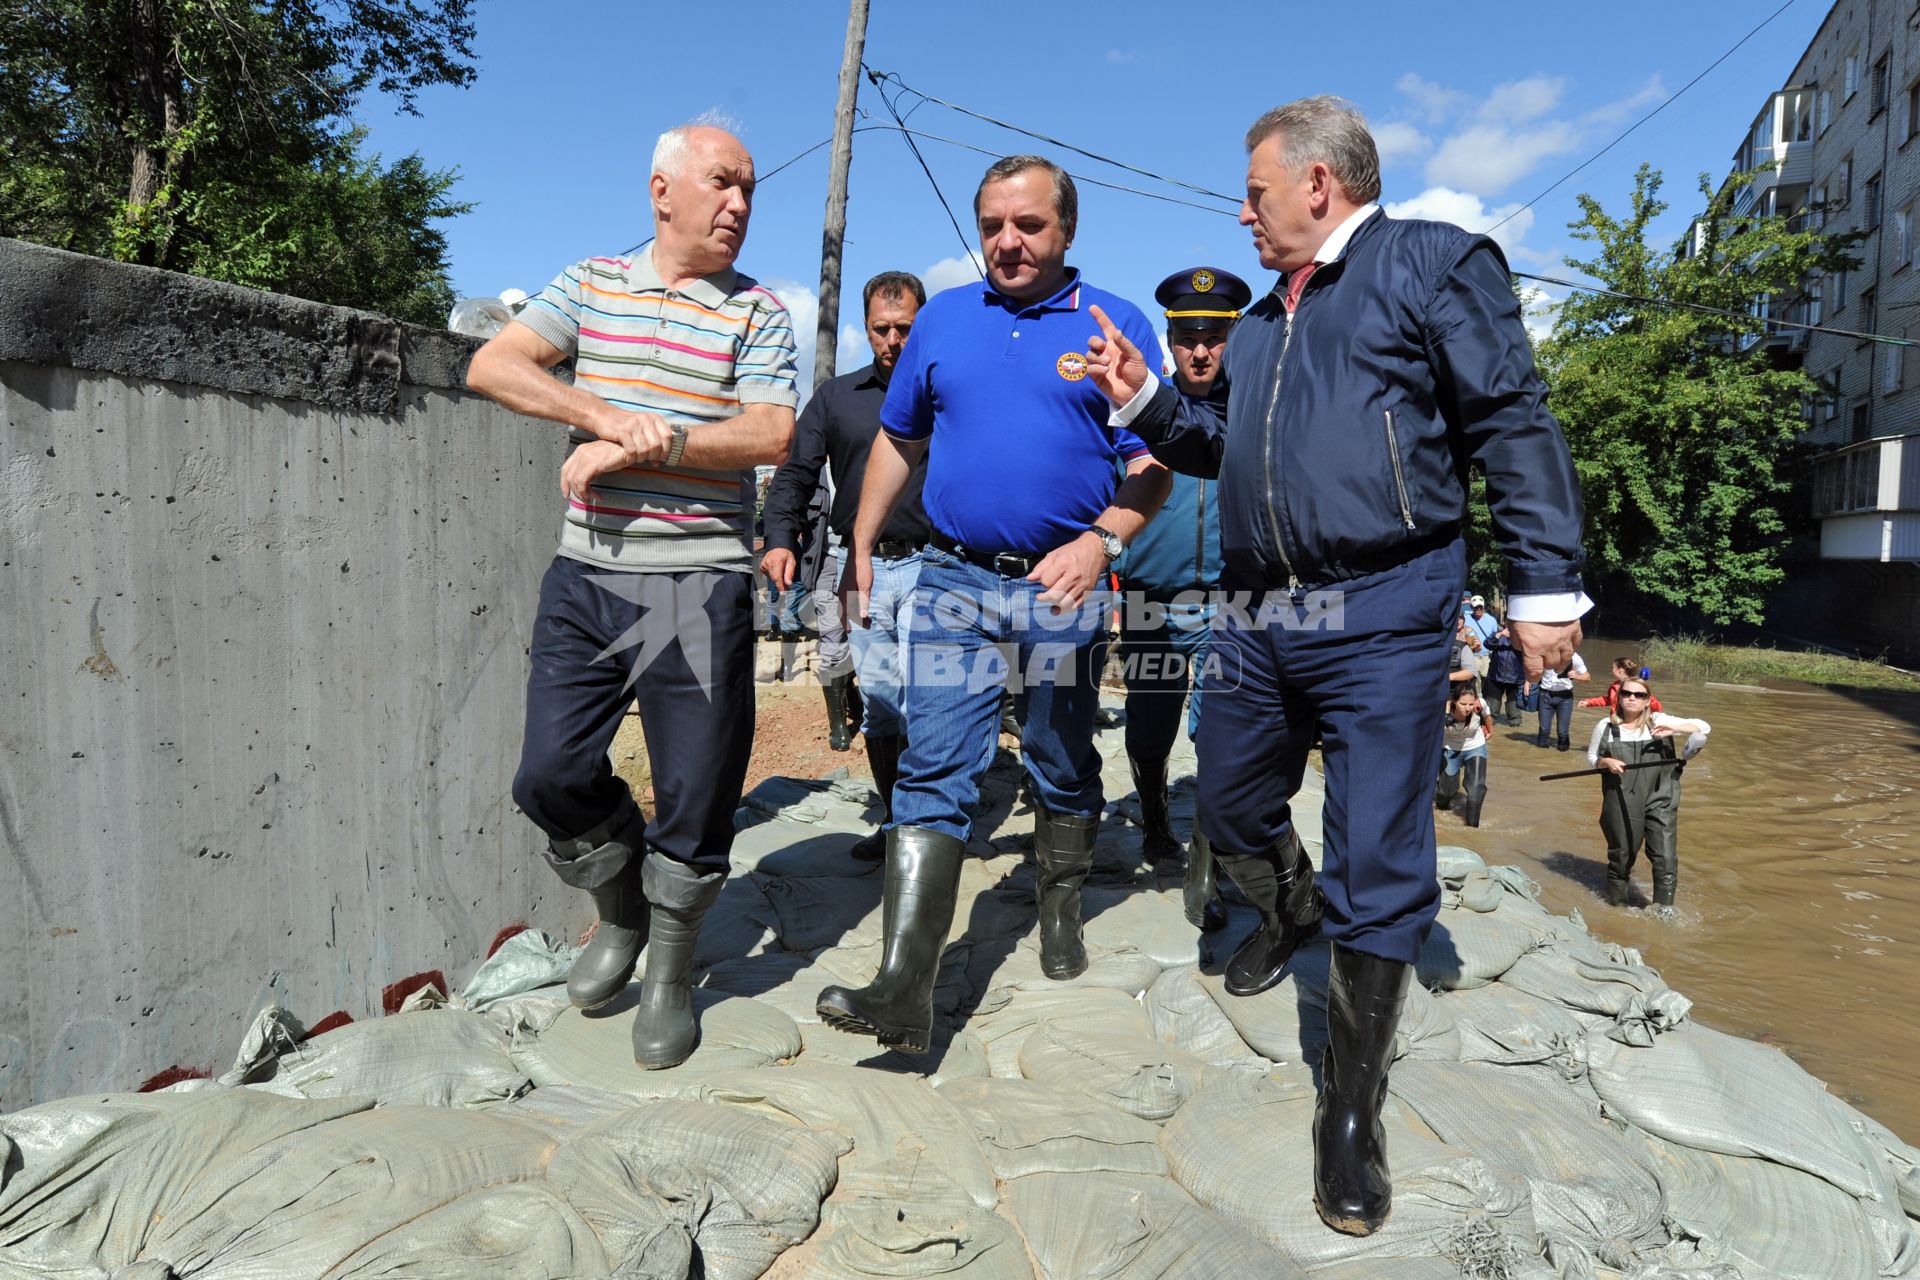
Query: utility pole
[{"x": 826, "y": 345}]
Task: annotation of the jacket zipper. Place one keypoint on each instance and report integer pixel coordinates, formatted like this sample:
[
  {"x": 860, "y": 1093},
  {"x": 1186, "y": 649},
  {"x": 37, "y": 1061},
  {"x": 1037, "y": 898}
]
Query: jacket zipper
[
  {"x": 1399, "y": 476},
  {"x": 1273, "y": 512}
]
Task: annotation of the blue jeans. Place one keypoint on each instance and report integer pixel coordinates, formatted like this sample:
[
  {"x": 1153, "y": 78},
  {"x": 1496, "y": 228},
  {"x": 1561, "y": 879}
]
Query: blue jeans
[
  {"x": 973, "y": 630},
  {"x": 880, "y": 654},
  {"x": 1556, "y": 709},
  {"x": 1451, "y": 761}
]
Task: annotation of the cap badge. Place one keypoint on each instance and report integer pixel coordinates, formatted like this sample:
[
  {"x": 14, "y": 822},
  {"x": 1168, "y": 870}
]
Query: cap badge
[{"x": 1203, "y": 281}]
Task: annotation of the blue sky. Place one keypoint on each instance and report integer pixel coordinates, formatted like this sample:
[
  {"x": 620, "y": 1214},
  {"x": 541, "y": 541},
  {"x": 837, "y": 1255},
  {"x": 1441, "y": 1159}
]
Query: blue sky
[{"x": 1478, "y": 107}]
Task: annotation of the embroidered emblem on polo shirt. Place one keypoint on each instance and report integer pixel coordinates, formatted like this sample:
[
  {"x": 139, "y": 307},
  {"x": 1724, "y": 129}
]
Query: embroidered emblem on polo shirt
[
  {"x": 1072, "y": 366},
  {"x": 1203, "y": 281}
]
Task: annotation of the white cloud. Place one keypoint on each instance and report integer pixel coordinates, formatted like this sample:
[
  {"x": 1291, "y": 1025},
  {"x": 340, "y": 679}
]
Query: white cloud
[
  {"x": 1538, "y": 309},
  {"x": 1463, "y": 209},
  {"x": 1432, "y": 100},
  {"x": 1397, "y": 140},
  {"x": 853, "y": 351},
  {"x": 803, "y": 304},
  {"x": 948, "y": 272},
  {"x": 1489, "y": 158},
  {"x": 1122, "y": 57},
  {"x": 1521, "y": 100}
]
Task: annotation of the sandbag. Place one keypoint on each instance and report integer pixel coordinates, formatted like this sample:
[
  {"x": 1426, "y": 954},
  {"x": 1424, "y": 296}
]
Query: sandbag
[
  {"x": 1126, "y": 1068},
  {"x": 595, "y": 1048},
  {"x": 1587, "y": 1183},
  {"x": 1123, "y": 968},
  {"x": 527, "y": 961},
  {"x": 1468, "y": 948},
  {"x": 1027, "y": 1127},
  {"x": 741, "y": 922},
  {"x": 1639, "y": 1005},
  {"x": 1288, "y": 1021},
  {"x": 1505, "y": 1026},
  {"x": 1184, "y": 1014},
  {"x": 1007, "y": 1017},
  {"x": 1117, "y": 1226},
  {"x": 1152, "y": 920},
  {"x": 433, "y": 1058},
  {"x": 953, "y": 1055},
  {"x": 811, "y": 913},
  {"x": 1244, "y": 1149},
  {"x": 866, "y": 1238}
]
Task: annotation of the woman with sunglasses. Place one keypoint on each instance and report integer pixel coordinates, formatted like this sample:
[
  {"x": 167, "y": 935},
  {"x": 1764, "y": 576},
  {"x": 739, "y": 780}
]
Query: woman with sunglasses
[{"x": 1642, "y": 806}]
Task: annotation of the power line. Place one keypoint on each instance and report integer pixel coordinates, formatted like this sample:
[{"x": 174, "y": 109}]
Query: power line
[
  {"x": 1720, "y": 311},
  {"x": 878, "y": 76},
  {"x": 906, "y": 134},
  {"x": 1642, "y": 120}
]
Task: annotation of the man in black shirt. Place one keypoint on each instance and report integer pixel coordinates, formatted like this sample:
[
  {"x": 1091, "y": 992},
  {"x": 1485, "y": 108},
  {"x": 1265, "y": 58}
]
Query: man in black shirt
[{"x": 836, "y": 429}]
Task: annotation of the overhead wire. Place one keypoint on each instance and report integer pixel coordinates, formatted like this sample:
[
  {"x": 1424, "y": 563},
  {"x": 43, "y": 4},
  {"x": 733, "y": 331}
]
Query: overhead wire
[{"x": 1671, "y": 98}]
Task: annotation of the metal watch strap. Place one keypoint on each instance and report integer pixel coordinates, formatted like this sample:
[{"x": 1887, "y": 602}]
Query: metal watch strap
[{"x": 679, "y": 445}]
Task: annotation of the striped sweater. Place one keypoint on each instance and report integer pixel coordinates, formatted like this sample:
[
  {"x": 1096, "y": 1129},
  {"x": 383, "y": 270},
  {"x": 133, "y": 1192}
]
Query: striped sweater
[{"x": 696, "y": 355}]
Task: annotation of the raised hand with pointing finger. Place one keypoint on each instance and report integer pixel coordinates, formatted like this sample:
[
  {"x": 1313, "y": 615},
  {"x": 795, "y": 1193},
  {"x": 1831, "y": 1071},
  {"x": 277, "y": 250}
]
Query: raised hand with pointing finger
[{"x": 1114, "y": 363}]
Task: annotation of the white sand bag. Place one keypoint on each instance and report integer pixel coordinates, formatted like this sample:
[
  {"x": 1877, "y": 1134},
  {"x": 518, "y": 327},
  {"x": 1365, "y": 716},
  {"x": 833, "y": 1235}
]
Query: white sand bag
[
  {"x": 1117, "y": 1226},
  {"x": 1027, "y": 1127},
  {"x": 1184, "y": 1014},
  {"x": 1006, "y": 1018},
  {"x": 595, "y": 1049},
  {"x": 1126, "y": 1068},
  {"x": 432, "y": 1058}
]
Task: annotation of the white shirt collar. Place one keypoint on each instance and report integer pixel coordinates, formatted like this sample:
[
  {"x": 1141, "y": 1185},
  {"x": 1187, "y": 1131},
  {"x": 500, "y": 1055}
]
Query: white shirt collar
[{"x": 1337, "y": 242}]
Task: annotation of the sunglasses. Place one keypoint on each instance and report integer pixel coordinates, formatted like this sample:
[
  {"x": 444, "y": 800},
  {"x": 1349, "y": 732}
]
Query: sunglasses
[{"x": 1635, "y": 693}]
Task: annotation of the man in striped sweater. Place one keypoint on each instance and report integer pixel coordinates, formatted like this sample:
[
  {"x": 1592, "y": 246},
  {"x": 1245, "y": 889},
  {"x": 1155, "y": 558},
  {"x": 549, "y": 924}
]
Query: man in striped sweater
[{"x": 683, "y": 382}]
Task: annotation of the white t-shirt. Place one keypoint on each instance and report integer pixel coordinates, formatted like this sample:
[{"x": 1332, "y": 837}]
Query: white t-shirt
[
  {"x": 1465, "y": 736},
  {"x": 1554, "y": 682},
  {"x": 1642, "y": 732}
]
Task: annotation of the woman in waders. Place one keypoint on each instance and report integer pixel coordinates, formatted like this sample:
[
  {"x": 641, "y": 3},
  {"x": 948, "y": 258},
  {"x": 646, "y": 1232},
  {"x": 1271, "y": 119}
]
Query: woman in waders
[
  {"x": 1642, "y": 805},
  {"x": 1462, "y": 784}
]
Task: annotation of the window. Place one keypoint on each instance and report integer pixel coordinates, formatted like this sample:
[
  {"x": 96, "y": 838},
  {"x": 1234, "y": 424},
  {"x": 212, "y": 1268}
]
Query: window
[
  {"x": 1830, "y": 394},
  {"x": 1863, "y": 479},
  {"x": 1813, "y": 300},
  {"x": 1893, "y": 367},
  {"x": 1839, "y": 291},
  {"x": 1870, "y": 213},
  {"x": 1882, "y": 85},
  {"x": 1817, "y": 208},
  {"x": 1843, "y": 183},
  {"x": 1850, "y": 81},
  {"x": 1913, "y": 108},
  {"x": 1903, "y": 238},
  {"x": 1869, "y": 298},
  {"x": 1862, "y": 419},
  {"x": 1826, "y": 109}
]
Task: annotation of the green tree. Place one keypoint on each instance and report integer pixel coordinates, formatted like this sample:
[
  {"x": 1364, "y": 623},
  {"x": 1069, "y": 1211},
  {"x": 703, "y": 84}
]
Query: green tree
[
  {"x": 216, "y": 137},
  {"x": 1682, "y": 426}
]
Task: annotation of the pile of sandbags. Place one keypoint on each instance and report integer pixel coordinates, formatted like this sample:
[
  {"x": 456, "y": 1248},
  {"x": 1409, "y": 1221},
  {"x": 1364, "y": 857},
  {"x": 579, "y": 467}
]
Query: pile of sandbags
[{"x": 1554, "y": 1112}]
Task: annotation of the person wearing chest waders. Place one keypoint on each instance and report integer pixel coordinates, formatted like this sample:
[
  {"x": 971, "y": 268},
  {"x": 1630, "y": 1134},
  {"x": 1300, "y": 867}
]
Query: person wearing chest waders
[
  {"x": 1462, "y": 784},
  {"x": 1640, "y": 790}
]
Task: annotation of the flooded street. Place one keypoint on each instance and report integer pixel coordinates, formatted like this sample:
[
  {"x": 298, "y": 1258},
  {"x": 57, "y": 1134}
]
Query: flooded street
[{"x": 1799, "y": 895}]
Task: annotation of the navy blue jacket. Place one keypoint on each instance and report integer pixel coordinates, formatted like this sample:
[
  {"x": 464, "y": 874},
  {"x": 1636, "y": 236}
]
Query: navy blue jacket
[{"x": 1350, "y": 426}]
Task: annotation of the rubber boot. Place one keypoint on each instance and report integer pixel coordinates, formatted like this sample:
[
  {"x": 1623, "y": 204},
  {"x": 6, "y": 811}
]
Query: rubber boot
[
  {"x": 1063, "y": 849},
  {"x": 1663, "y": 853},
  {"x": 1562, "y": 744},
  {"x": 1446, "y": 788},
  {"x": 1201, "y": 891},
  {"x": 605, "y": 861},
  {"x": 1157, "y": 841},
  {"x": 664, "y": 1031},
  {"x": 839, "y": 730},
  {"x": 1473, "y": 789},
  {"x": 1617, "y": 891},
  {"x": 923, "y": 882},
  {"x": 883, "y": 757},
  {"x": 1281, "y": 885},
  {"x": 1540, "y": 740},
  {"x": 1352, "y": 1191}
]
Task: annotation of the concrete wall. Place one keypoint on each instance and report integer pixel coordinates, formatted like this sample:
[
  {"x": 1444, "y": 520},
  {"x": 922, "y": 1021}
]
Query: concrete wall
[{"x": 266, "y": 581}]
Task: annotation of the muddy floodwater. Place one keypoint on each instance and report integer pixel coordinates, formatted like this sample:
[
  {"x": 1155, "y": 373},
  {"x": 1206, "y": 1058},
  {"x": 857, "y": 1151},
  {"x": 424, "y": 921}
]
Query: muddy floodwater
[{"x": 1799, "y": 902}]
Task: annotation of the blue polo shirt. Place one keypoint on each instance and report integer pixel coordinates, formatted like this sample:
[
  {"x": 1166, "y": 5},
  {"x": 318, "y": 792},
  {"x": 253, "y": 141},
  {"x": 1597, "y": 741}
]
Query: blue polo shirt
[{"x": 1021, "y": 457}]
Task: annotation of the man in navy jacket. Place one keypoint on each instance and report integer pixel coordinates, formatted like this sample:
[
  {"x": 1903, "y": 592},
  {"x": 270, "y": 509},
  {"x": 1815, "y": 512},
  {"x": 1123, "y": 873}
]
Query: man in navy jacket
[{"x": 1389, "y": 362}]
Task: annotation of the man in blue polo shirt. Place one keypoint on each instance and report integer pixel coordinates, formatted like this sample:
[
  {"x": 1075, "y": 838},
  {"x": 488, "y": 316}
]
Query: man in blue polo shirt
[{"x": 1028, "y": 514}]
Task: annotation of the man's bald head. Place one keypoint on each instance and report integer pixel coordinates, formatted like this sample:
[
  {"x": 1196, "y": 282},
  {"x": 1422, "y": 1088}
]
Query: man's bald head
[
  {"x": 678, "y": 144},
  {"x": 702, "y": 189}
]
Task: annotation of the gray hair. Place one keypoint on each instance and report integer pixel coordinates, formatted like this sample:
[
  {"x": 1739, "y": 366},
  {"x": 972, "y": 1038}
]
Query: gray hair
[
  {"x": 1324, "y": 130},
  {"x": 670, "y": 151},
  {"x": 1066, "y": 196}
]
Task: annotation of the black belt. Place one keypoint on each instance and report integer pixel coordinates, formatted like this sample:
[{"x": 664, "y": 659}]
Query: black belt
[
  {"x": 895, "y": 548},
  {"x": 1008, "y": 564}
]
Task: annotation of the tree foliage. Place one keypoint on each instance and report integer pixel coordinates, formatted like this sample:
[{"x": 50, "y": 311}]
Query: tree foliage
[
  {"x": 215, "y": 137},
  {"x": 1682, "y": 427}
]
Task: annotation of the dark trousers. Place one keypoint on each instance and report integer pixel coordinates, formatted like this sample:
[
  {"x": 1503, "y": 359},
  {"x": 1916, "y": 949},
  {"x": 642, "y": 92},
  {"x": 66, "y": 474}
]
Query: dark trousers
[
  {"x": 1160, "y": 659},
  {"x": 682, "y": 644},
  {"x": 1362, "y": 679},
  {"x": 1556, "y": 708},
  {"x": 1503, "y": 701}
]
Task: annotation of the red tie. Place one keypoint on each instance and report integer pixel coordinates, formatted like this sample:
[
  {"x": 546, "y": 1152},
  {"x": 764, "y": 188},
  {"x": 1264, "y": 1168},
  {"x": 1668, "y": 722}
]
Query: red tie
[{"x": 1295, "y": 283}]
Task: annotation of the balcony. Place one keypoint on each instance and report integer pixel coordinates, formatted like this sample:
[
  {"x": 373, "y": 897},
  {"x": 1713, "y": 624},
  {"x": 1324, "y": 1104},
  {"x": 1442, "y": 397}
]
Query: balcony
[
  {"x": 1867, "y": 497},
  {"x": 1782, "y": 136}
]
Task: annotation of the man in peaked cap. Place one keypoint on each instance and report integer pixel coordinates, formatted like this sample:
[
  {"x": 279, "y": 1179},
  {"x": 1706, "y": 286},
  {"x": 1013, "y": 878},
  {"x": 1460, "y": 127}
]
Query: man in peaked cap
[{"x": 1167, "y": 578}]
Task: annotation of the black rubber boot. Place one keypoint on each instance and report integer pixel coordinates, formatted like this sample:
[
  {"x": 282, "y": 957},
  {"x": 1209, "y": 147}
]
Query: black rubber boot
[
  {"x": 1562, "y": 744},
  {"x": 664, "y": 1032},
  {"x": 1157, "y": 841},
  {"x": 839, "y": 729},
  {"x": 1663, "y": 851},
  {"x": 1473, "y": 789},
  {"x": 1281, "y": 885},
  {"x": 1352, "y": 1190},
  {"x": 1446, "y": 789},
  {"x": 1063, "y": 850},
  {"x": 605, "y": 861},
  {"x": 883, "y": 757},
  {"x": 1617, "y": 891},
  {"x": 1200, "y": 894},
  {"x": 896, "y": 1008},
  {"x": 1540, "y": 740}
]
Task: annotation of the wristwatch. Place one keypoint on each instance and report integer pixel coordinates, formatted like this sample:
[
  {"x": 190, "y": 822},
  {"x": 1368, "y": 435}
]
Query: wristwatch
[
  {"x": 679, "y": 445},
  {"x": 1109, "y": 542}
]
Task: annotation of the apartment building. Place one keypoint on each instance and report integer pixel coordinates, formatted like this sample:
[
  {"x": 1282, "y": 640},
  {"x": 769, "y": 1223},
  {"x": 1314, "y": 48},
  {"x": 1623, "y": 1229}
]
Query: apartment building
[{"x": 1845, "y": 133}]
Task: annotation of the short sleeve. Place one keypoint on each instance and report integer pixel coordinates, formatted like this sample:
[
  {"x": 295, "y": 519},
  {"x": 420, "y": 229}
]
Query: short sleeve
[
  {"x": 907, "y": 413},
  {"x": 1579, "y": 667},
  {"x": 766, "y": 371},
  {"x": 554, "y": 312}
]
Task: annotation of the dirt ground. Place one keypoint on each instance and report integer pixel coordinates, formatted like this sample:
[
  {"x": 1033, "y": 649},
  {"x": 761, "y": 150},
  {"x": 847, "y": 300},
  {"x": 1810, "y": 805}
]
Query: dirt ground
[{"x": 789, "y": 734}]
